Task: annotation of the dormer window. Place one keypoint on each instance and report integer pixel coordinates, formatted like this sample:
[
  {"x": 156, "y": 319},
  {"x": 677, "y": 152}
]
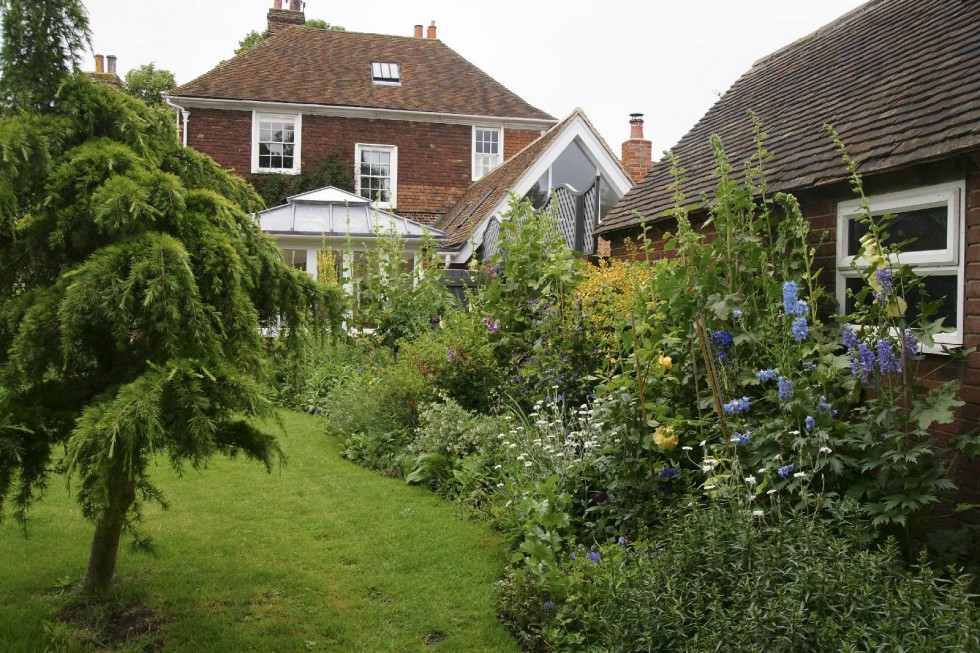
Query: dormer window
[{"x": 385, "y": 73}]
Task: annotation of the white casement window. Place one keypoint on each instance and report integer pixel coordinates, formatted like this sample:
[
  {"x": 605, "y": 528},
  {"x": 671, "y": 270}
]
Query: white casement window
[
  {"x": 488, "y": 150},
  {"x": 276, "y": 140},
  {"x": 376, "y": 174},
  {"x": 931, "y": 220},
  {"x": 385, "y": 73}
]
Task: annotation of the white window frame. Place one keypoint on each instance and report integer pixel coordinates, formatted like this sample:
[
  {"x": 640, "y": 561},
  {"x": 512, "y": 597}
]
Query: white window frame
[
  {"x": 500, "y": 145},
  {"x": 378, "y": 69},
  {"x": 297, "y": 119},
  {"x": 393, "y": 150},
  {"x": 928, "y": 262}
]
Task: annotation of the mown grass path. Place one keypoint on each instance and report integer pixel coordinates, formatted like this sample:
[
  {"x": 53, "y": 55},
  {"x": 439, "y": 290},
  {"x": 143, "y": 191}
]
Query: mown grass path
[{"x": 318, "y": 556}]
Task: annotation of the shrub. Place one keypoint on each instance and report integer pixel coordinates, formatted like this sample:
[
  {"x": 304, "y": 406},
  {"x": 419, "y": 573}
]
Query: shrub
[{"x": 722, "y": 578}]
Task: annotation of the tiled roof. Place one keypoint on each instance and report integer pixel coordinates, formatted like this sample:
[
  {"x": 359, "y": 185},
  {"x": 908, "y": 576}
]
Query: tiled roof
[
  {"x": 486, "y": 193},
  {"x": 898, "y": 79},
  {"x": 306, "y": 65}
]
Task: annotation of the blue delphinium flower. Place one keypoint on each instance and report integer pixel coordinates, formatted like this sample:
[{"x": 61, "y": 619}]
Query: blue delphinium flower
[
  {"x": 573, "y": 557},
  {"x": 722, "y": 340},
  {"x": 887, "y": 360},
  {"x": 767, "y": 375},
  {"x": 742, "y": 438},
  {"x": 800, "y": 329},
  {"x": 848, "y": 336},
  {"x": 785, "y": 389},
  {"x": 824, "y": 407},
  {"x": 594, "y": 556},
  {"x": 911, "y": 343},
  {"x": 549, "y": 606},
  {"x": 668, "y": 474},
  {"x": 736, "y": 406},
  {"x": 886, "y": 281},
  {"x": 452, "y": 355},
  {"x": 810, "y": 422},
  {"x": 866, "y": 362},
  {"x": 790, "y": 297},
  {"x": 786, "y": 470},
  {"x": 792, "y": 304}
]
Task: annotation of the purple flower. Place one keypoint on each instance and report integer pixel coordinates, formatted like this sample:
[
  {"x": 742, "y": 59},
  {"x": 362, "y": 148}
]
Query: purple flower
[
  {"x": 886, "y": 281},
  {"x": 594, "y": 556},
  {"x": 452, "y": 356},
  {"x": 736, "y": 406},
  {"x": 621, "y": 541},
  {"x": 491, "y": 325},
  {"x": 800, "y": 329},
  {"x": 824, "y": 407},
  {"x": 737, "y": 314},
  {"x": 887, "y": 360},
  {"x": 786, "y": 470},
  {"x": 436, "y": 319},
  {"x": 573, "y": 557},
  {"x": 767, "y": 375},
  {"x": 810, "y": 422},
  {"x": 911, "y": 343},
  {"x": 848, "y": 336},
  {"x": 668, "y": 474},
  {"x": 599, "y": 497},
  {"x": 865, "y": 362},
  {"x": 722, "y": 340},
  {"x": 549, "y": 606},
  {"x": 742, "y": 438},
  {"x": 785, "y": 389}
]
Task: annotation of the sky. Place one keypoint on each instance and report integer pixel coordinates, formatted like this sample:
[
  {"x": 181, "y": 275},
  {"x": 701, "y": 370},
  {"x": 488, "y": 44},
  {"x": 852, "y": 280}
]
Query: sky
[{"x": 669, "y": 61}]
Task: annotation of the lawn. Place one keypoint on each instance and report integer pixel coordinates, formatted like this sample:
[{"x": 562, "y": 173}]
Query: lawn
[{"x": 320, "y": 555}]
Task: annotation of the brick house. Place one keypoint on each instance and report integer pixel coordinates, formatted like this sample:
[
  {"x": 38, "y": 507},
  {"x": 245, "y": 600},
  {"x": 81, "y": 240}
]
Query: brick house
[
  {"x": 900, "y": 82},
  {"x": 416, "y": 122}
]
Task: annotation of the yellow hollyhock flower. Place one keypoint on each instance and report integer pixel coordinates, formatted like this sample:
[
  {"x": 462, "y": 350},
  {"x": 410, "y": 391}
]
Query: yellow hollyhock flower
[
  {"x": 666, "y": 362},
  {"x": 665, "y": 438}
]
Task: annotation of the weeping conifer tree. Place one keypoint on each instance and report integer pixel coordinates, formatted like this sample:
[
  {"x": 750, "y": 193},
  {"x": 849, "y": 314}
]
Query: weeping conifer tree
[{"x": 133, "y": 280}]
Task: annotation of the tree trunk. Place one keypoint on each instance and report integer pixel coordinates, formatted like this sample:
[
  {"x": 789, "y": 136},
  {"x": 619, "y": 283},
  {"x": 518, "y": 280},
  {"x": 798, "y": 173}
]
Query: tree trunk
[{"x": 105, "y": 542}]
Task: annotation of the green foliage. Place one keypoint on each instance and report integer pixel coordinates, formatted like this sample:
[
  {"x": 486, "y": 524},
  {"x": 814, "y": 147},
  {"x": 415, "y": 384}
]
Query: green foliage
[
  {"x": 148, "y": 83},
  {"x": 254, "y": 37},
  {"x": 274, "y": 188},
  {"x": 42, "y": 44},
  {"x": 131, "y": 293},
  {"x": 250, "y": 40},
  {"x": 723, "y": 579}
]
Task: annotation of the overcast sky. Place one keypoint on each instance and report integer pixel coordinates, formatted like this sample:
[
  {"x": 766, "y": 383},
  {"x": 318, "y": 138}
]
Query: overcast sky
[{"x": 667, "y": 60}]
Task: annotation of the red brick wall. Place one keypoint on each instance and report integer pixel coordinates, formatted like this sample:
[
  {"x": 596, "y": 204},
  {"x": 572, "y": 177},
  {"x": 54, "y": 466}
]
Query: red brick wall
[
  {"x": 434, "y": 159},
  {"x": 516, "y": 140},
  {"x": 224, "y": 135}
]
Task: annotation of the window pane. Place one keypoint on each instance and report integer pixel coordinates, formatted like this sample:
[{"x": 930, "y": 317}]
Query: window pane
[
  {"x": 935, "y": 287},
  {"x": 927, "y": 228}
]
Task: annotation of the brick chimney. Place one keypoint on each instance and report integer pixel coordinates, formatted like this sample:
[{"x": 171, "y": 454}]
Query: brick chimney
[
  {"x": 279, "y": 18},
  {"x": 105, "y": 71},
  {"x": 99, "y": 63},
  {"x": 637, "y": 151},
  {"x": 430, "y": 33},
  {"x": 418, "y": 31}
]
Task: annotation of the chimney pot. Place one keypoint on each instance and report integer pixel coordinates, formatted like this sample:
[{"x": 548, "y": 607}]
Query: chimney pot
[
  {"x": 111, "y": 61},
  {"x": 636, "y": 126},
  {"x": 295, "y": 5},
  {"x": 99, "y": 63},
  {"x": 277, "y": 4},
  {"x": 418, "y": 31},
  {"x": 431, "y": 32},
  {"x": 637, "y": 151}
]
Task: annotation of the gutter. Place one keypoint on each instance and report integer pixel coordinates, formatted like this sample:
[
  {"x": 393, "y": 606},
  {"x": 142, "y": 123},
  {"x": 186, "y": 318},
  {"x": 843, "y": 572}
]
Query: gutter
[{"x": 181, "y": 113}]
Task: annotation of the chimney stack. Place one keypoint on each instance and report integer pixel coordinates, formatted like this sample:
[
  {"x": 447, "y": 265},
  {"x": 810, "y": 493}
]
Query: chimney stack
[
  {"x": 637, "y": 151},
  {"x": 99, "y": 63},
  {"x": 418, "y": 31},
  {"x": 279, "y": 19},
  {"x": 431, "y": 32},
  {"x": 111, "y": 64}
]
